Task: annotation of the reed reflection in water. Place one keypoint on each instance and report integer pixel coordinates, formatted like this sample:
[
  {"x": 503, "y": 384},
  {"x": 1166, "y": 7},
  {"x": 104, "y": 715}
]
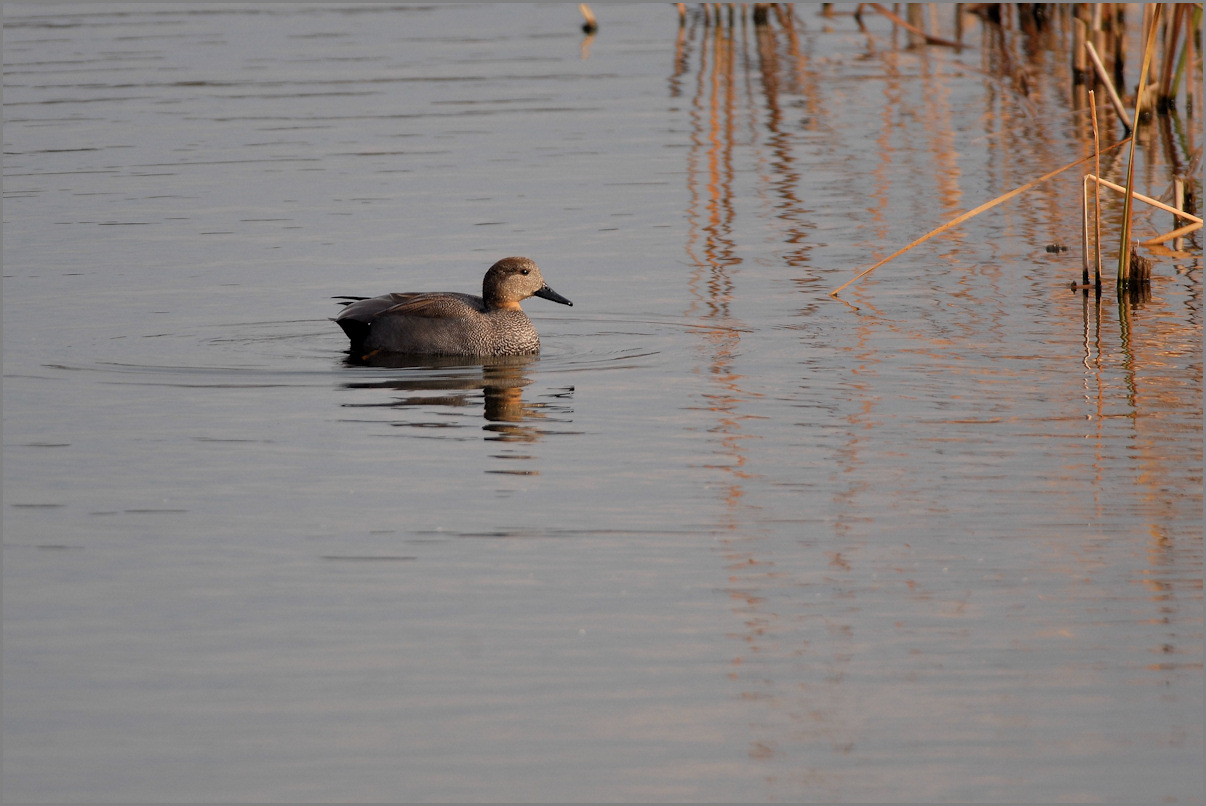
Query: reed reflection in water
[{"x": 947, "y": 385}]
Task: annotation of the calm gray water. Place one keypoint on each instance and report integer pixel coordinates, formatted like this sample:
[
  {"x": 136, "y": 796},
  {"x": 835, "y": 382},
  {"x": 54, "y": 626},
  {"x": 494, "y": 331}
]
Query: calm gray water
[{"x": 725, "y": 539}]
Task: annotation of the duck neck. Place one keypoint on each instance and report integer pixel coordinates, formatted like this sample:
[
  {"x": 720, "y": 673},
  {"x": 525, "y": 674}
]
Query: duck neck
[{"x": 494, "y": 301}]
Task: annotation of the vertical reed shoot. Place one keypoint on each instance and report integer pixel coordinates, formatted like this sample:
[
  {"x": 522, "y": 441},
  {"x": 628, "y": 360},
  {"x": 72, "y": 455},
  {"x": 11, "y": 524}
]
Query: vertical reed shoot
[
  {"x": 1124, "y": 247},
  {"x": 1096, "y": 199}
]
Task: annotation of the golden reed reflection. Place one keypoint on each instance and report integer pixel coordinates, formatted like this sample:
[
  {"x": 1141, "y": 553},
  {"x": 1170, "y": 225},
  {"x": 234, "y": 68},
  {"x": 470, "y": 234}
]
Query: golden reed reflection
[
  {"x": 735, "y": 101},
  {"x": 710, "y": 247},
  {"x": 753, "y": 96}
]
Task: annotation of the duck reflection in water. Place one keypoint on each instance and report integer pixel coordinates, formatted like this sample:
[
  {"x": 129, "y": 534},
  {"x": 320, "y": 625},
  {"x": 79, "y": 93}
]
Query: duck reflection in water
[{"x": 455, "y": 380}]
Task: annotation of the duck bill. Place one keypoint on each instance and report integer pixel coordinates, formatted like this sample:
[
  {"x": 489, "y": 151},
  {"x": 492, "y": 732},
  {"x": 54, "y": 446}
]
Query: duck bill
[{"x": 549, "y": 293}]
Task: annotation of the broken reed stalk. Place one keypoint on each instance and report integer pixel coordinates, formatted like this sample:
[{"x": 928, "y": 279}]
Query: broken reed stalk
[
  {"x": 954, "y": 222},
  {"x": 589, "y": 24},
  {"x": 1180, "y": 232},
  {"x": 1168, "y": 208},
  {"x": 1124, "y": 251},
  {"x": 1194, "y": 225},
  {"x": 916, "y": 31},
  {"x": 1104, "y": 78}
]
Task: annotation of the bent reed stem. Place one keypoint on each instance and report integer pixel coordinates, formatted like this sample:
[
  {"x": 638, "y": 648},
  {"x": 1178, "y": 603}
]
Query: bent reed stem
[{"x": 973, "y": 213}]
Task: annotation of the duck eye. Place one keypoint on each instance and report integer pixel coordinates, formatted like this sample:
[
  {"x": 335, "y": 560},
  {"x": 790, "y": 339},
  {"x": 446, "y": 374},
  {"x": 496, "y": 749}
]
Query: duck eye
[{"x": 524, "y": 272}]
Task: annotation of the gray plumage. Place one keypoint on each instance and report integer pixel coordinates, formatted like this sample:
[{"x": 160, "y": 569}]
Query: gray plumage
[{"x": 451, "y": 323}]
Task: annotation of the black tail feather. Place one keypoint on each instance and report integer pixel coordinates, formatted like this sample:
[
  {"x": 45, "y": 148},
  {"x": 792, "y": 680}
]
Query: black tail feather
[{"x": 356, "y": 331}]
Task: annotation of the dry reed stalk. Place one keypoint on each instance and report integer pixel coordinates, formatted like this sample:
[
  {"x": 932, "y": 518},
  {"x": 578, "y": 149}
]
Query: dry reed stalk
[
  {"x": 1084, "y": 232},
  {"x": 590, "y": 24},
  {"x": 1190, "y": 29},
  {"x": 1179, "y": 203},
  {"x": 1096, "y": 197},
  {"x": 1078, "y": 39},
  {"x": 1172, "y": 236},
  {"x": 1168, "y": 208},
  {"x": 1098, "y": 18},
  {"x": 913, "y": 14},
  {"x": 1172, "y": 32},
  {"x": 1080, "y": 66},
  {"x": 1104, "y": 77},
  {"x": 954, "y": 222},
  {"x": 1124, "y": 261},
  {"x": 912, "y": 29},
  {"x": 1178, "y": 212}
]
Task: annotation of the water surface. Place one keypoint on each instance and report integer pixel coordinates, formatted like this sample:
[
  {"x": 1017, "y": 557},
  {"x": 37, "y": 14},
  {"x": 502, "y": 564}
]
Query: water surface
[{"x": 725, "y": 539}]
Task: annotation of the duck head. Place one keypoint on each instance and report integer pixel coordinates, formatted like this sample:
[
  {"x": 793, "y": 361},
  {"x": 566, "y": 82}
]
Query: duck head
[{"x": 514, "y": 279}]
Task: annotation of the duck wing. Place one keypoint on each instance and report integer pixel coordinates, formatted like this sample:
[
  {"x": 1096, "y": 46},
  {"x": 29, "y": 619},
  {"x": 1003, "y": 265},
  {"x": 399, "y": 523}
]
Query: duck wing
[
  {"x": 434, "y": 306},
  {"x": 426, "y": 305},
  {"x": 361, "y": 314}
]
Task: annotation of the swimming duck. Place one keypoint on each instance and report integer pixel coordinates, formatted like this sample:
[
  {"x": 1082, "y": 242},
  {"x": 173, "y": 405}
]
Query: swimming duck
[{"x": 450, "y": 323}]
